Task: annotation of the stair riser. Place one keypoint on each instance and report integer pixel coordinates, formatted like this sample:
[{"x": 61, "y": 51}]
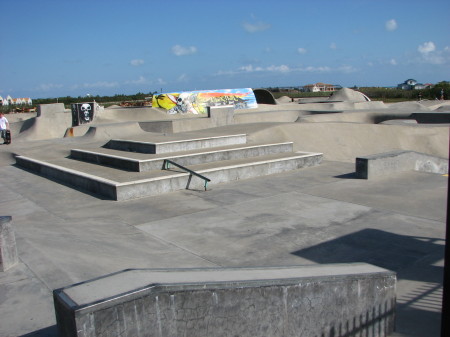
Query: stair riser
[
  {"x": 224, "y": 155},
  {"x": 98, "y": 158},
  {"x": 167, "y": 147},
  {"x": 134, "y": 165},
  {"x": 143, "y": 189},
  {"x": 72, "y": 178}
]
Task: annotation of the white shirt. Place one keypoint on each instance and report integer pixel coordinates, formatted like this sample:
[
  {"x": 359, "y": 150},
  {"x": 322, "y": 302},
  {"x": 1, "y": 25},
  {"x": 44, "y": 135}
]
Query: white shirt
[{"x": 3, "y": 122}]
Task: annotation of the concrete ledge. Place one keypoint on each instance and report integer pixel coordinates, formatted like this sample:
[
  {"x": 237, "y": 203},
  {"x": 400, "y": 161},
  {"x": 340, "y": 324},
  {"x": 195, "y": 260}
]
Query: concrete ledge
[
  {"x": 142, "y": 165},
  {"x": 8, "y": 249},
  {"x": 320, "y": 300},
  {"x": 398, "y": 161},
  {"x": 175, "y": 146},
  {"x": 155, "y": 186}
]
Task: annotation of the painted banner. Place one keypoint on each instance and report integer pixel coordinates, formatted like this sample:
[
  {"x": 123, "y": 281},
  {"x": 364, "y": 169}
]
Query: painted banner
[
  {"x": 197, "y": 102},
  {"x": 83, "y": 113}
]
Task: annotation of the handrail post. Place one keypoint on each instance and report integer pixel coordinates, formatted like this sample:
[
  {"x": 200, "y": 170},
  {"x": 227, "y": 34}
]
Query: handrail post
[{"x": 166, "y": 165}]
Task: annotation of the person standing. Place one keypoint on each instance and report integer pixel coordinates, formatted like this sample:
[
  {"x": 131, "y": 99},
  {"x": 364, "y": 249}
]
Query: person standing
[{"x": 4, "y": 125}]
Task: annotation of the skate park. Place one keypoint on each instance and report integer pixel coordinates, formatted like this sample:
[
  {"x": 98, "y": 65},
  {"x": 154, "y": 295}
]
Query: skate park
[{"x": 317, "y": 212}]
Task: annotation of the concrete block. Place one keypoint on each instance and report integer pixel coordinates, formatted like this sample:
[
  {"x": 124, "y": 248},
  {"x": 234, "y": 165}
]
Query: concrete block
[
  {"x": 221, "y": 116},
  {"x": 398, "y": 161},
  {"x": 320, "y": 300},
  {"x": 44, "y": 109},
  {"x": 8, "y": 248},
  {"x": 177, "y": 145}
]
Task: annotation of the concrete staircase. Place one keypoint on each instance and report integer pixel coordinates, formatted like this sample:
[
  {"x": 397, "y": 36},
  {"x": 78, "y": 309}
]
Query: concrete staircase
[{"x": 126, "y": 169}]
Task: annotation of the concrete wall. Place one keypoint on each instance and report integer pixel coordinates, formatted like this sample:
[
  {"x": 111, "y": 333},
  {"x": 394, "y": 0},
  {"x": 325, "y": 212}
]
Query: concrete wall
[
  {"x": 50, "y": 108},
  {"x": 320, "y": 300},
  {"x": 398, "y": 161}
]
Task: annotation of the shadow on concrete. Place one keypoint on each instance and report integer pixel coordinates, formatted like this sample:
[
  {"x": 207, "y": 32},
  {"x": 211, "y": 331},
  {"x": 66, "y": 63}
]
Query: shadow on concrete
[
  {"x": 351, "y": 175},
  {"x": 371, "y": 323},
  {"x": 50, "y": 331},
  {"x": 412, "y": 258}
]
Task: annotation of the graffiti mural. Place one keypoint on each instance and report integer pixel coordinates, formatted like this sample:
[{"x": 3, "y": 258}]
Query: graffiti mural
[{"x": 197, "y": 102}]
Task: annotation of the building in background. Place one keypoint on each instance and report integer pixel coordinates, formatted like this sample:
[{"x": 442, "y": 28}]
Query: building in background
[
  {"x": 319, "y": 86},
  {"x": 412, "y": 84},
  {"x": 15, "y": 101}
]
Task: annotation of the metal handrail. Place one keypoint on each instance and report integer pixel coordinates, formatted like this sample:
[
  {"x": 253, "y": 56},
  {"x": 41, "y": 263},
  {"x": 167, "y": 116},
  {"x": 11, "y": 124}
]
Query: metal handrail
[{"x": 166, "y": 165}]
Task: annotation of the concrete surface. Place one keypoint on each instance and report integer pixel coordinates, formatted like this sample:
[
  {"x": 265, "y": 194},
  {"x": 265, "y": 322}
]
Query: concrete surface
[
  {"x": 317, "y": 215},
  {"x": 347, "y": 299}
]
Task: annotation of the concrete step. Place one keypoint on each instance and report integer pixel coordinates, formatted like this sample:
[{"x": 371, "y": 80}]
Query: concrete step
[
  {"x": 122, "y": 185},
  {"x": 175, "y": 145},
  {"x": 146, "y": 162}
]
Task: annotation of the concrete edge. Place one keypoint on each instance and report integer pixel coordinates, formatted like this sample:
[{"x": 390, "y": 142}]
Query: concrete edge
[
  {"x": 179, "y": 156},
  {"x": 262, "y": 162},
  {"x": 181, "y": 141},
  {"x": 310, "y": 274}
]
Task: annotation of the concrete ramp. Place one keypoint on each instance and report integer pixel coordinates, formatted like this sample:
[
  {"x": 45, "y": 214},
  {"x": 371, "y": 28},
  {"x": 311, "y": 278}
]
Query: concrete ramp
[
  {"x": 113, "y": 130},
  {"x": 346, "y": 141},
  {"x": 46, "y": 126}
]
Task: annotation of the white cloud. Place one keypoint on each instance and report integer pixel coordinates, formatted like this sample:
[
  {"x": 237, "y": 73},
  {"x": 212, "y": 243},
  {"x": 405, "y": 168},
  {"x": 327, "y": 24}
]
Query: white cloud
[
  {"x": 282, "y": 68},
  {"x": 137, "y": 62},
  {"x": 346, "y": 69},
  {"x": 430, "y": 54},
  {"x": 100, "y": 84},
  {"x": 391, "y": 25},
  {"x": 182, "y": 78},
  {"x": 286, "y": 69},
  {"x": 393, "y": 62},
  {"x": 181, "y": 51},
  {"x": 333, "y": 45},
  {"x": 160, "y": 81},
  {"x": 140, "y": 80},
  {"x": 250, "y": 69},
  {"x": 427, "y": 47},
  {"x": 322, "y": 69},
  {"x": 48, "y": 86},
  {"x": 301, "y": 51},
  {"x": 256, "y": 27}
]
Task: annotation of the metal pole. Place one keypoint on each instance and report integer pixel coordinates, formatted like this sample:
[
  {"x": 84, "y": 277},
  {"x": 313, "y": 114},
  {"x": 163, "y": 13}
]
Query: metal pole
[{"x": 445, "y": 321}]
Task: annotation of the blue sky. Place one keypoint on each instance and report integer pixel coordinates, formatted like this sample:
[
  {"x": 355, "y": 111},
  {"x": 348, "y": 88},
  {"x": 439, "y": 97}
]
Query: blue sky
[{"x": 104, "y": 47}]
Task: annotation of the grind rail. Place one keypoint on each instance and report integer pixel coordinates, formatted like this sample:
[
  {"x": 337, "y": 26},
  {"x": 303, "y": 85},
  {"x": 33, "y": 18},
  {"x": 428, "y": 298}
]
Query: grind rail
[{"x": 166, "y": 166}]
